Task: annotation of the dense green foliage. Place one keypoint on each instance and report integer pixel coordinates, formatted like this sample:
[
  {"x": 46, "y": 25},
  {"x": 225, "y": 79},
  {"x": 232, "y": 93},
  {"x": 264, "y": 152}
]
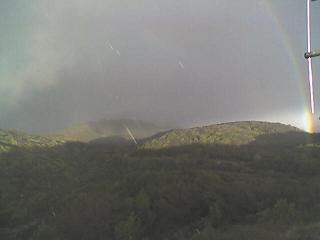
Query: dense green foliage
[
  {"x": 107, "y": 128},
  {"x": 235, "y": 133},
  {"x": 267, "y": 189},
  {"x": 10, "y": 139}
]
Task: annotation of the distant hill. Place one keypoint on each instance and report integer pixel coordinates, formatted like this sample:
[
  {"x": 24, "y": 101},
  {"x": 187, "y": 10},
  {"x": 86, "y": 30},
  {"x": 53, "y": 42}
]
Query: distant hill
[
  {"x": 235, "y": 133},
  {"x": 104, "y": 129},
  {"x": 11, "y": 138}
]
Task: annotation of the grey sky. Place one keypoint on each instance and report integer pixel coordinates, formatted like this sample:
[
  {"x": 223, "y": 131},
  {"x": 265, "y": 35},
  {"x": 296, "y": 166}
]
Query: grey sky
[{"x": 180, "y": 61}]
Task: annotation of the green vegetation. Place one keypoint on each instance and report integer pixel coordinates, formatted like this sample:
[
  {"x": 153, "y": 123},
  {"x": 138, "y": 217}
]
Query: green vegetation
[
  {"x": 107, "y": 128},
  {"x": 235, "y": 133},
  {"x": 268, "y": 188},
  {"x": 10, "y": 139}
]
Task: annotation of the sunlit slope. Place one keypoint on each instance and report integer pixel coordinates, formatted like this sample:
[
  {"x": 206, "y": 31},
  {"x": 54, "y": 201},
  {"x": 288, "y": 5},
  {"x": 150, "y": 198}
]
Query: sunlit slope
[
  {"x": 235, "y": 133},
  {"x": 11, "y": 139},
  {"x": 107, "y": 128}
]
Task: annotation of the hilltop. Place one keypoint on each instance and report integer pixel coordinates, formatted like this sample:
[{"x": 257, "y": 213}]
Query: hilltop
[
  {"x": 233, "y": 133},
  {"x": 106, "y": 129},
  {"x": 12, "y": 139}
]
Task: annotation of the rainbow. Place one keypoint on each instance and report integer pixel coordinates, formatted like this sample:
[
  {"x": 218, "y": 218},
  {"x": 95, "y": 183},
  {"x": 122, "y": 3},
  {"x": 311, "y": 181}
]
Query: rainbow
[{"x": 309, "y": 121}]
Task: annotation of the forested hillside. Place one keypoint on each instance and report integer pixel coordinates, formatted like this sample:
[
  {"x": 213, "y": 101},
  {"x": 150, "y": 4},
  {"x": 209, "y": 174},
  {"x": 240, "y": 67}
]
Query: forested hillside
[
  {"x": 235, "y": 133},
  {"x": 268, "y": 188},
  {"x": 10, "y": 139}
]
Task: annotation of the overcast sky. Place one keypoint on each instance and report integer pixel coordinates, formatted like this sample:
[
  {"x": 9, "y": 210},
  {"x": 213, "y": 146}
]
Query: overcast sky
[{"x": 185, "y": 62}]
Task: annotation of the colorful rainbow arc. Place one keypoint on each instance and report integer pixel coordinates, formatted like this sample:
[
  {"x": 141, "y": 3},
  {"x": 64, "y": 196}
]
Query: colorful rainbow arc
[{"x": 297, "y": 67}]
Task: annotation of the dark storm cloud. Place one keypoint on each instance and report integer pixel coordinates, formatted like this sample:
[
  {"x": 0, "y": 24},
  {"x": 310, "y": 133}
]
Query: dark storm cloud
[{"x": 173, "y": 61}]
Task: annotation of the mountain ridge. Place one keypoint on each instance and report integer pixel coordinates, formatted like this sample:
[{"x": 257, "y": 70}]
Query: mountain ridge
[
  {"x": 10, "y": 138},
  {"x": 235, "y": 133},
  {"x": 150, "y": 136}
]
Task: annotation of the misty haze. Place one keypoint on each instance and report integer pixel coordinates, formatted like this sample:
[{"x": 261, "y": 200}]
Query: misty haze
[{"x": 179, "y": 62}]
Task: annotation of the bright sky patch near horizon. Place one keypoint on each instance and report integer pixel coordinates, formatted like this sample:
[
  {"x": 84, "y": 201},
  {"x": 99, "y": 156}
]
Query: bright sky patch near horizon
[{"x": 184, "y": 62}]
